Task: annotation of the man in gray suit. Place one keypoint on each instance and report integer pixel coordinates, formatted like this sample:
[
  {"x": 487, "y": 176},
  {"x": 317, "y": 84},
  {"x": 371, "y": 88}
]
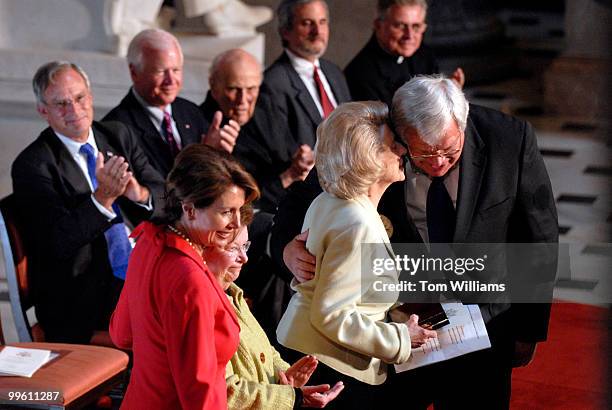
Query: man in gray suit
[{"x": 305, "y": 87}]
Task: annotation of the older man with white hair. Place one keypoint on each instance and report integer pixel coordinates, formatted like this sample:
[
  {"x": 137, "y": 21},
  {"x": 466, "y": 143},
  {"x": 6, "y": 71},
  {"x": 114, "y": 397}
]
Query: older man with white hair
[
  {"x": 395, "y": 53},
  {"x": 476, "y": 177},
  {"x": 164, "y": 122}
]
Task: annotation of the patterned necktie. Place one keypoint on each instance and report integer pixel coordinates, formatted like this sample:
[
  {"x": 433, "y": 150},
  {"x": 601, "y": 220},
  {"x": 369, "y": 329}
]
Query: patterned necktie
[
  {"x": 117, "y": 241},
  {"x": 441, "y": 215},
  {"x": 169, "y": 134},
  {"x": 326, "y": 103}
]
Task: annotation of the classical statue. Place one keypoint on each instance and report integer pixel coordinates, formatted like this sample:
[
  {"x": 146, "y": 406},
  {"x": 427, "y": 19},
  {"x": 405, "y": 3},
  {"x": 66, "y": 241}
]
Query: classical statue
[{"x": 226, "y": 18}]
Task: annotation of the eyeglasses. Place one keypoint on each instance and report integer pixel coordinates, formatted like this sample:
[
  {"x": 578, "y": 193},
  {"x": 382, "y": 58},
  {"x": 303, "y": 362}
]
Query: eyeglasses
[
  {"x": 81, "y": 100},
  {"x": 236, "y": 249},
  {"x": 417, "y": 28},
  {"x": 449, "y": 153},
  {"x": 443, "y": 154}
]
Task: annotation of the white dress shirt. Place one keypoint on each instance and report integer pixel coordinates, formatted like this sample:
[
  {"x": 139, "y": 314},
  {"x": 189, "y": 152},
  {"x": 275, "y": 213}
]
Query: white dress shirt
[
  {"x": 81, "y": 159},
  {"x": 74, "y": 148},
  {"x": 156, "y": 115},
  {"x": 305, "y": 70},
  {"x": 417, "y": 185}
]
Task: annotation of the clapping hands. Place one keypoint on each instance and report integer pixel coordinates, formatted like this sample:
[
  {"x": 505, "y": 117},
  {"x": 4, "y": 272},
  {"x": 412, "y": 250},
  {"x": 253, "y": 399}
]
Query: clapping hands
[{"x": 299, "y": 374}]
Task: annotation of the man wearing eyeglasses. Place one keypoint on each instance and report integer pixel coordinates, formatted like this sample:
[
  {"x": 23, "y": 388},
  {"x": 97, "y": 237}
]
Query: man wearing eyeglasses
[
  {"x": 77, "y": 186},
  {"x": 475, "y": 176},
  {"x": 394, "y": 53}
]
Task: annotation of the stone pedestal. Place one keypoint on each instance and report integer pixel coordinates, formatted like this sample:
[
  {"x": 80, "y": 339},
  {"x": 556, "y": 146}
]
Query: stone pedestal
[{"x": 56, "y": 24}]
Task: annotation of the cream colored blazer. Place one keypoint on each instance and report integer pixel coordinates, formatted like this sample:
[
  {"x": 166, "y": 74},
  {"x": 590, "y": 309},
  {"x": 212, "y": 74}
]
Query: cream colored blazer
[{"x": 327, "y": 316}]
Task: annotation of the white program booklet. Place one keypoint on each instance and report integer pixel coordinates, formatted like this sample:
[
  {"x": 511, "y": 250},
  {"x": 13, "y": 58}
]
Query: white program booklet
[
  {"x": 466, "y": 333},
  {"x": 17, "y": 361}
]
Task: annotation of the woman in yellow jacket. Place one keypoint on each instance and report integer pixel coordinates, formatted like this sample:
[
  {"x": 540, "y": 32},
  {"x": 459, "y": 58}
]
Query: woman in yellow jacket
[{"x": 256, "y": 376}]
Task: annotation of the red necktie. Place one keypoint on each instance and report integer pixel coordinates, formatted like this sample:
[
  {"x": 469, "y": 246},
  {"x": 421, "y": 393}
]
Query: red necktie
[
  {"x": 169, "y": 134},
  {"x": 326, "y": 103}
]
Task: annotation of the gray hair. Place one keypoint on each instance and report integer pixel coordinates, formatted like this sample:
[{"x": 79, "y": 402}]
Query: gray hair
[
  {"x": 45, "y": 76},
  {"x": 285, "y": 14},
  {"x": 153, "y": 38},
  {"x": 384, "y": 5},
  {"x": 428, "y": 105},
  {"x": 347, "y": 148},
  {"x": 219, "y": 63}
]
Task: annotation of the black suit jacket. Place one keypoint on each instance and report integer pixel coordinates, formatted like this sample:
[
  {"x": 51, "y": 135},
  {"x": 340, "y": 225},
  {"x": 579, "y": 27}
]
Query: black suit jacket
[
  {"x": 264, "y": 147},
  {"x": 374, "y": 74},
  {"x": 293, "y": 101},
  {"x": 72, "y": 281},
  {"x": 504, "y": 196},
  {"x": 187, "y": 116}
]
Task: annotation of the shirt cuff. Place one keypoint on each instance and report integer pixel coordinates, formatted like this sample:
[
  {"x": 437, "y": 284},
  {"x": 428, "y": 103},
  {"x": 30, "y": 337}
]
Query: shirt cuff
[
  {"x": 109, "y": 214},
  {"x": 149, "y": 205}
]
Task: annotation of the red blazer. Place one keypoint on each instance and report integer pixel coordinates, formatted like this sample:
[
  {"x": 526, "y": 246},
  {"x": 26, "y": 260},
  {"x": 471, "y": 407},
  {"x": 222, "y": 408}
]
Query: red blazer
[{"x": 178, "y": 322}]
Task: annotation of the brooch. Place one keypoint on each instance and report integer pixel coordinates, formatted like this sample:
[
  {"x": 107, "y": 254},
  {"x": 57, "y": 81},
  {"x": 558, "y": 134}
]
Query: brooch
[{"x": 387, "y": 224}]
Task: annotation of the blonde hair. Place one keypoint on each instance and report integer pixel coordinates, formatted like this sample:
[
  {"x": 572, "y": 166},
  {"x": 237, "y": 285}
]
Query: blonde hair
[{"x": 348, "y": 144}]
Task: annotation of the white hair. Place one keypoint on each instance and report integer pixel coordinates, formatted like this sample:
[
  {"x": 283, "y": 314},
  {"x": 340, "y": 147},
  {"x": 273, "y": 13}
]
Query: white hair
[
  {"x": 153, "y": 38},
  {"x": 428, "y": 105}
]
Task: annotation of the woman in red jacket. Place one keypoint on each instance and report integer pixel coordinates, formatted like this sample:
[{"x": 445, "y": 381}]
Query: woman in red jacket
[{"x": 172, "y": 313}]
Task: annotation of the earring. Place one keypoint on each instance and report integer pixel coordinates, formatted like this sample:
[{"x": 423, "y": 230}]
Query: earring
[{"x": 190, "y": 211}]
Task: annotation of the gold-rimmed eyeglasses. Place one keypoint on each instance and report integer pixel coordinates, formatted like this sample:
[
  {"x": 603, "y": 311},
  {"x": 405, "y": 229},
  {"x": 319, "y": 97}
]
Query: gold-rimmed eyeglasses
[
  {"x": 448, "y": 154},
  {"x": 236, "y": 249}
]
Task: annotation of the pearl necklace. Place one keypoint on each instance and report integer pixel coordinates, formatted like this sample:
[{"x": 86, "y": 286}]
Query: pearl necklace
[{"x": 186, "y": 238}]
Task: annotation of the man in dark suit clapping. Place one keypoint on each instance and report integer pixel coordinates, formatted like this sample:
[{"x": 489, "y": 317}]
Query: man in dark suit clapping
[
  {"x": 162, "y": 121},
  {"x": 77, "y": 186}
]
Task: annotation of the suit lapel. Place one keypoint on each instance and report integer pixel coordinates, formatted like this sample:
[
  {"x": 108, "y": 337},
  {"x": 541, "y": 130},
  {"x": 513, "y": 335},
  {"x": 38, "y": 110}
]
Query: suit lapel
[
  {"x": 473, "y": 161},
  {"x": 301, "y": 92},
  {"x": 184, "y": 126},
  {"x": 334, "y": 82},
  {"x": 67, "y": 166},
  {"x": 107, "y": 144},
  {"x": 154, "y": 144},
  {"x": 139, "y": 116}
]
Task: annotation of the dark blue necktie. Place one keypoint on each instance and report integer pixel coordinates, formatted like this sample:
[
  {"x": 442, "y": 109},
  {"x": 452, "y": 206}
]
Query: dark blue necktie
[
  {"x": 441, "y": 215},
  {"x": 118, "y": 244}
]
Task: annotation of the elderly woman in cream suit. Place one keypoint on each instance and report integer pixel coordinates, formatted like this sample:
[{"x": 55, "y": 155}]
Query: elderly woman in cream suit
[{"x": 357, "y": 158}]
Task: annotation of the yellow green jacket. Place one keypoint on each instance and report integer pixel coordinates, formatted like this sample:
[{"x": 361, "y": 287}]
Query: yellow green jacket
[{"x": 251, "y": 376}]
